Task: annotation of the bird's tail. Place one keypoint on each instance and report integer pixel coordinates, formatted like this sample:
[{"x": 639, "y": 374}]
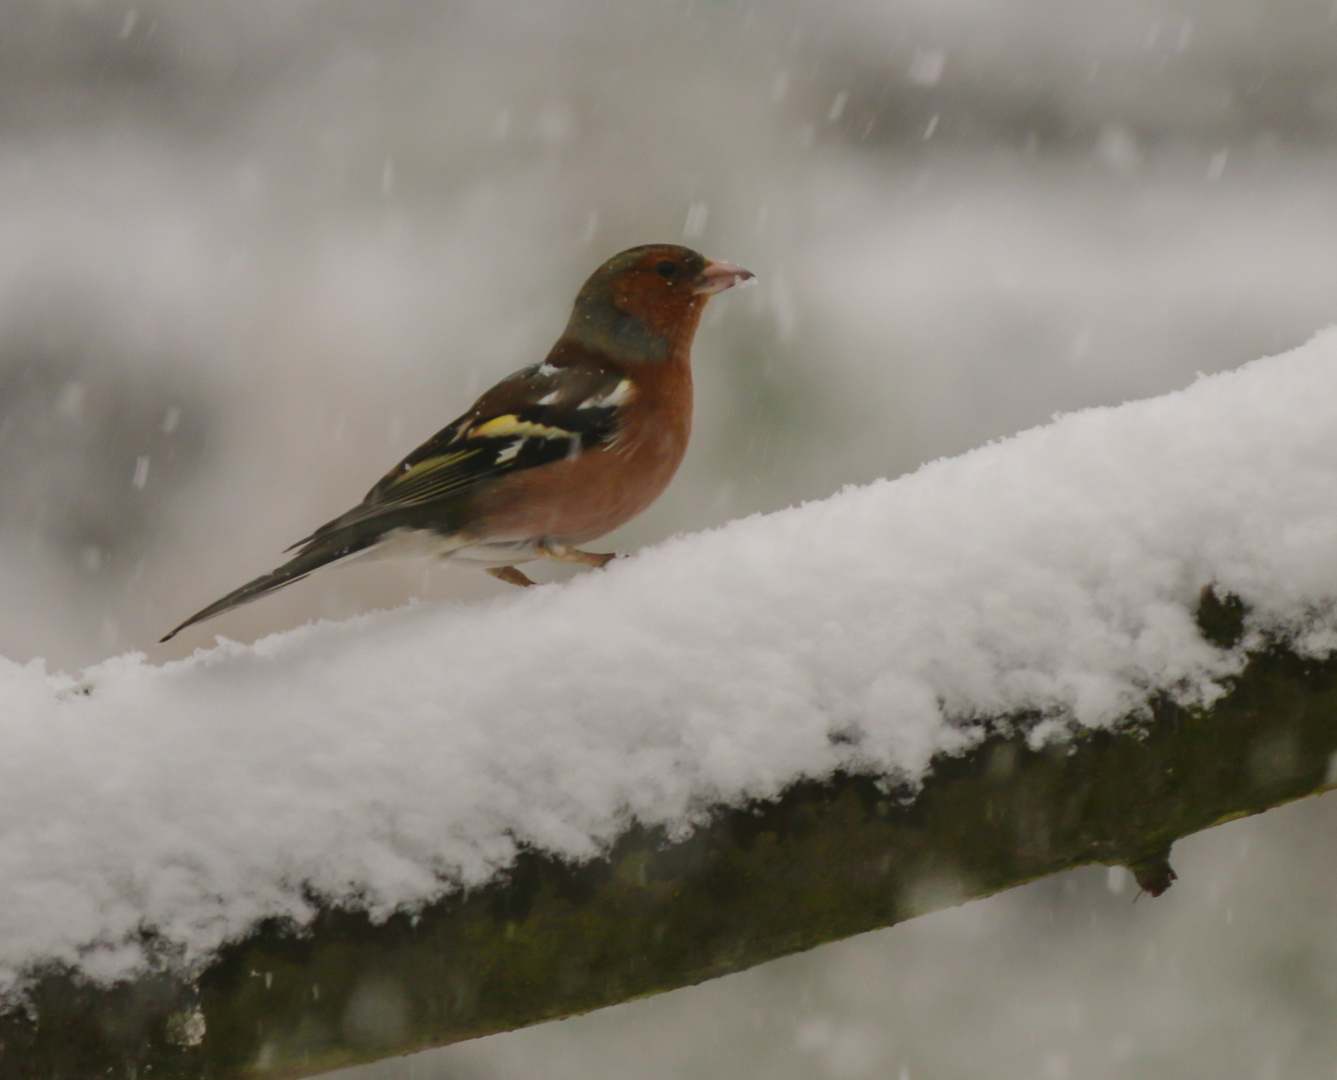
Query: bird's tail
[{"x": 316, "y": 555}]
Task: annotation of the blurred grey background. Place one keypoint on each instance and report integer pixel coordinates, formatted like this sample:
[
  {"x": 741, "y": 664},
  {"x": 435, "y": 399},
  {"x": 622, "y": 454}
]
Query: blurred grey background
[{"x": 252, "y": 251}]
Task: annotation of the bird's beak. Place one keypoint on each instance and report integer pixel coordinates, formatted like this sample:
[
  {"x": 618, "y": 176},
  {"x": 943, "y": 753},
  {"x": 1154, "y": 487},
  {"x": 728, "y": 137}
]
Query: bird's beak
[{"x": 718, "y": 276}]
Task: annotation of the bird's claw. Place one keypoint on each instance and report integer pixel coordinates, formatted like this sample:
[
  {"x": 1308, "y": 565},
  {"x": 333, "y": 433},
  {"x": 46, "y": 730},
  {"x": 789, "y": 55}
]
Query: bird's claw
[
  {"x": 510, "y": 574},
  {"x": 562, "y": 553}
]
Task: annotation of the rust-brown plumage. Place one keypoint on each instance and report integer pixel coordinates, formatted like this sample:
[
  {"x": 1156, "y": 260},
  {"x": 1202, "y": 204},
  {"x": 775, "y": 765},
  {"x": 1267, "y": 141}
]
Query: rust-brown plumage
[{"x": 557, "y": 454}]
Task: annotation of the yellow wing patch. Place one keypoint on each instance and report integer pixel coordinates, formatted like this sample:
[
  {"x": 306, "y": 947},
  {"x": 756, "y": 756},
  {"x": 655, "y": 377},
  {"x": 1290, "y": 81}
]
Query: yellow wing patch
[
  {"x": 510, "y": 424},
  {"x": 433, "y": 464}
]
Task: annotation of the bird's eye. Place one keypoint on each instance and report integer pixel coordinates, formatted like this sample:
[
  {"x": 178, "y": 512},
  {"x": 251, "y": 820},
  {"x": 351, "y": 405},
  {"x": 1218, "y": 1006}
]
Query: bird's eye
[{"x": 667, "y": 270}]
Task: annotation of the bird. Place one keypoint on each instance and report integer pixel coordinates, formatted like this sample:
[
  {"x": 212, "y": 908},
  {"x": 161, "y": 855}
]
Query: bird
[{"x": 555, "y": 455}]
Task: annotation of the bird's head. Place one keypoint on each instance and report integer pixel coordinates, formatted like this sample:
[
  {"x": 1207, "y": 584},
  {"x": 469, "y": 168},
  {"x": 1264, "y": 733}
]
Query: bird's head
[{"x": 645, "y": 301}]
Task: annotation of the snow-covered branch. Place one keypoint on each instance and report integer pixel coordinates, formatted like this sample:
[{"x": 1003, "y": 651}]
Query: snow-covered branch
[{"x": 1076, "y": 645}]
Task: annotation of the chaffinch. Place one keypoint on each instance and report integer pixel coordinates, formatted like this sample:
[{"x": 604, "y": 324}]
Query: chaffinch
[{"x": 553, "y": 456}]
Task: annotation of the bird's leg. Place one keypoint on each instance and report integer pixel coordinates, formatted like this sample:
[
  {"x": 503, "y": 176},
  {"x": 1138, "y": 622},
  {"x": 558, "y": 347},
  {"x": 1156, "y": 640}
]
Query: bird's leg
[
  {"x": 561, "y": 553},
  {"x": 509, "y": 574}
]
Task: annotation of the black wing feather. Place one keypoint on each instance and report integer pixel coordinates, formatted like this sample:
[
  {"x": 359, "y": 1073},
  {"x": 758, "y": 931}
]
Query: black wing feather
[{"x": 490, "y": 441}]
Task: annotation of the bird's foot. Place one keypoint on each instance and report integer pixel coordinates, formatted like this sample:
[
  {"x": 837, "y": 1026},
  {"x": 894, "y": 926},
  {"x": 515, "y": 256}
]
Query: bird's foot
[
  {"x": 562, "y": 553},
  {"x": 510, "y": 575}
]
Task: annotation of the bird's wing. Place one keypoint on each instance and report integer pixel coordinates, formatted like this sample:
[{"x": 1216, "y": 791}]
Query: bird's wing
[{"x": 539, "y": 415}]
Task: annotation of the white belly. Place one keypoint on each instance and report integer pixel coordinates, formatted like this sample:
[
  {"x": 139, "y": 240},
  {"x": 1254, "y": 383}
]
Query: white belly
[{"x": 419, "y": 543}]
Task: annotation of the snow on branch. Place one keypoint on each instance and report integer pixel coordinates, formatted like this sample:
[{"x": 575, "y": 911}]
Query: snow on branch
[{"x": 384, "y": 762}]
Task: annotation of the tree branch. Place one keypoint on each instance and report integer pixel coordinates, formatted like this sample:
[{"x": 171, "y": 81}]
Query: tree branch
[{"x": 822, "y": 862}]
